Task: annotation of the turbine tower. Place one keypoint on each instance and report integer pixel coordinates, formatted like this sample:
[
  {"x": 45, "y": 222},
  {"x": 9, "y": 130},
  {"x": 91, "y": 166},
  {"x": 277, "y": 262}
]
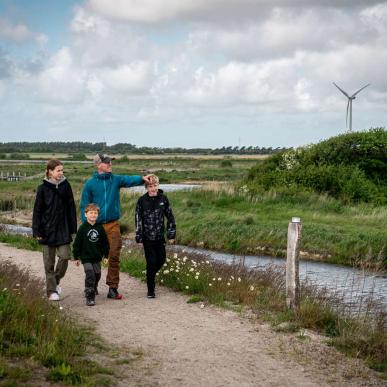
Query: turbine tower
[{"x": 349, "y": 104}]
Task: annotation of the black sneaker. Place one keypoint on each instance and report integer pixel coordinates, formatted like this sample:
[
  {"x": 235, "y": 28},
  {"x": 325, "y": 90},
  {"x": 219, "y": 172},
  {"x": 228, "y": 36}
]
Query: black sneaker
[
  {"x": 90, "y": 302},
  {"x": 113, "y": 293},
  {"x": 151, "y": 295}
]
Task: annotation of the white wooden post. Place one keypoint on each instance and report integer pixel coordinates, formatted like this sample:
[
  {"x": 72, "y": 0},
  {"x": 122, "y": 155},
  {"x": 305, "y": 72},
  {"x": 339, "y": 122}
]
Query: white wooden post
[{"x": 292, "y": 264}]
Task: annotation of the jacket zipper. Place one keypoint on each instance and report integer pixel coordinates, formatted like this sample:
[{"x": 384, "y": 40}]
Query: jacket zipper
[{"x": 104, "y": 184}]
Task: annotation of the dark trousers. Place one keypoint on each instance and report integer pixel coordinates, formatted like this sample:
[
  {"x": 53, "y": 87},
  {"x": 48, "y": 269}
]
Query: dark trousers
[
  {"x": 155, "y": 259},
  {"x": 93, "y": 275}
]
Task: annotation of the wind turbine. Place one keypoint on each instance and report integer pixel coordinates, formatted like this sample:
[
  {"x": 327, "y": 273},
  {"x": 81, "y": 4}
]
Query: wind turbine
[{"x": 349, "y": 104}]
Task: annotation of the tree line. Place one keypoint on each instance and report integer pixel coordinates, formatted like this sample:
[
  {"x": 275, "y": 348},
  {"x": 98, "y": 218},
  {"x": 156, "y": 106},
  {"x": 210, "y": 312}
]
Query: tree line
[{"x": 125, "y": 148}]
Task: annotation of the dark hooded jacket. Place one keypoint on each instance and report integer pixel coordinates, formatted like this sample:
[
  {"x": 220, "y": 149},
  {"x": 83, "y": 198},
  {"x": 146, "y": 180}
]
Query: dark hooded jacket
[
  {"x": 150, "y": 213},
  {"x": 54, "y": 218}
]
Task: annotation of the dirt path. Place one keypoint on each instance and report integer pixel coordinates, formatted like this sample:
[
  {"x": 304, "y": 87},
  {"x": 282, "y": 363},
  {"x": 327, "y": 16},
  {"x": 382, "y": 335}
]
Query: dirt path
[{"x": 186, "y": 345}]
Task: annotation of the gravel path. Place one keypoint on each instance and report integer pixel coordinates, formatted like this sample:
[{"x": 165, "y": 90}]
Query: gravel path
[{"x": 186, "y": 345}]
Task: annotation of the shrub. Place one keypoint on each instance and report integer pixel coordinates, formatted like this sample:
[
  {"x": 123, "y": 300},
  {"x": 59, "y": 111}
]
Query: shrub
[
  {"x": 226, "y": 164},
  {"x": 351, "y": 167}
]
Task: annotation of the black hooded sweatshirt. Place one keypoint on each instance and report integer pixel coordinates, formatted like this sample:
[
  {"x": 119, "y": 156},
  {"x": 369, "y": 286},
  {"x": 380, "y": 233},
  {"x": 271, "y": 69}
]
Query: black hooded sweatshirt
[
  {"x": 54, "y": 218},
  {"x": 150, "y": 212}
]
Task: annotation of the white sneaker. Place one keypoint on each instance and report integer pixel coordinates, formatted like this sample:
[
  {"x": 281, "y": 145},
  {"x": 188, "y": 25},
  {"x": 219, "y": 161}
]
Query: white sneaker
[
  {"x": 58, "y": 289},
  {"x": 54, "y": 297}
]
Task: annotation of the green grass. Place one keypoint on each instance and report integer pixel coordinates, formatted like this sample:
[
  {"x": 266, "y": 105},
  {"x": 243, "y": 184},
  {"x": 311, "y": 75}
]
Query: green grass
[
  {"x": 20, "y": 241},
  {"x": 42, "y": 339},
  {"x": 238, "y": 223},
  {"x": 263, "y": 291}
]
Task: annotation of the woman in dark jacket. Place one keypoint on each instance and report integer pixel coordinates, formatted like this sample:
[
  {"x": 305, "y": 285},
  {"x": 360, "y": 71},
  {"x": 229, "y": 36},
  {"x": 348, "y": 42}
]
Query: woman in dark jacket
[{"x": 53, "y": 223}]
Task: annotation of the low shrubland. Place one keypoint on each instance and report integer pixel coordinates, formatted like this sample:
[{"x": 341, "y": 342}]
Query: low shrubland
[{"x": 351, "y": 167}]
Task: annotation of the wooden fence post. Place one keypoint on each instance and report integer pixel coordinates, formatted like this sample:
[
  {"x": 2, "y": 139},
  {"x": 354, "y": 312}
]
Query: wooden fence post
[{"x": 292, "y": 264}]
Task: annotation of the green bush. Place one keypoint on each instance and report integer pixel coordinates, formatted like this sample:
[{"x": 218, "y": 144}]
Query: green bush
[
  {"x": 351, "y": 167},
  {"x": 19, "y": 156},
  {"x": 226, "y": 164},
  {"x": 79, "y": 157}
]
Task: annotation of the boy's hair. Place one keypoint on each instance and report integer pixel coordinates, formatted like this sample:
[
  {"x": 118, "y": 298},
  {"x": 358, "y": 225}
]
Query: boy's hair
[
  {"x": 91, "y": 207},
  {"x": 153, "y": 179}
]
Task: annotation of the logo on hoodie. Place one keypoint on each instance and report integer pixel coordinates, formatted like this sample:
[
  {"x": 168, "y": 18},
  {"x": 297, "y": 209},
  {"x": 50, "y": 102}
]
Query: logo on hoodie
[{"x": 93, "y": 235}]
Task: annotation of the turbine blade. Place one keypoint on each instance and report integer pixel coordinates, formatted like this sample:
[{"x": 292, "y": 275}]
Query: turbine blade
[
  {"x": 360, "y": 90},
  {"x": 341, "y": 90},
  {"x": 346, "y": 117}
]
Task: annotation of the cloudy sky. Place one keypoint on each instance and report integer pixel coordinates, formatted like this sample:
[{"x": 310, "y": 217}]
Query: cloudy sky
[{"x": 191, "y": 73}]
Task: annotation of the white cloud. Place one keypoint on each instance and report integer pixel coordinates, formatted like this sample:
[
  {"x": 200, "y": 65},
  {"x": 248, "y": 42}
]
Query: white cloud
[
  {"x": 19, "y": 33},
  {"x": 62, "y": 81},
  {"x": 2, "y": 88},
  {"x": 219, "y": 11},
  {"x": 133, "y": 77}
]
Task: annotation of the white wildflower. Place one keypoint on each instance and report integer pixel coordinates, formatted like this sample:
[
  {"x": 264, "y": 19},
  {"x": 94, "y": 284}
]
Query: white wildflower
[
  {"x": 166, "y": 271},
  {"x": 196, "y": 277},
  {"x": 251, "y": 288},
  {"x": 220, "y": 279},
  {"x": 228, "y": 284},
  {"x": 239, "y": 280},
  {"x": 192, "y": 269},
  {"x": 210, "y": 284},
  {"x": 175, "y": 255},
  {"x": 187, "y": 287}
]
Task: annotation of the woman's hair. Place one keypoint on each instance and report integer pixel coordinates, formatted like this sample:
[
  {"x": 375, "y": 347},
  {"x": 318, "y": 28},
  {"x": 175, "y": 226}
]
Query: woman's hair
[{"x": 51, "y": 165}]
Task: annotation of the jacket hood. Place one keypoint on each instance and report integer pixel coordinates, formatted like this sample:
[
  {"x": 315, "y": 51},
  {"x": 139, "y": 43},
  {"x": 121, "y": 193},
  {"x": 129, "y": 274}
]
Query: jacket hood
[
  {"x": 159, "y": 192},
  {"x": 102, "y": 176},
  {"x": 52, "y": 182}
]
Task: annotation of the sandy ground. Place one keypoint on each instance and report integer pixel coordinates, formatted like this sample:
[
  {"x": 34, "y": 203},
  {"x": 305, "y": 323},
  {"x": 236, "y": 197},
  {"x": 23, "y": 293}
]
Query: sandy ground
[{"x": 186, "y": 345}]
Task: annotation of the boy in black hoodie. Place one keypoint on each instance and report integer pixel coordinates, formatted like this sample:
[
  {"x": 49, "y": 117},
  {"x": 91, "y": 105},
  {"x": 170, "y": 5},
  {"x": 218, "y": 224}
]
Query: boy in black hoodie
[
  {"x": 150, "y": 211},
  {"x": 90, "y": 246}
]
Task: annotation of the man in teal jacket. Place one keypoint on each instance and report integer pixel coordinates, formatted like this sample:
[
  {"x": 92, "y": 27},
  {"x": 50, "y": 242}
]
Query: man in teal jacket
[{"x": 103, "y": 188}]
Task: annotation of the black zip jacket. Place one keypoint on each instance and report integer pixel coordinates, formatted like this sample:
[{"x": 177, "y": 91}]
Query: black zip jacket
[
  {"x": 150, "y": 213},
  {"x": 54, "y": 218},
  {"x": 91, "y": 243}
]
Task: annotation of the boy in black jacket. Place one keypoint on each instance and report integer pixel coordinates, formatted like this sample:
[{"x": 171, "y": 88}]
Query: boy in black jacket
[
  {"x": 90, "y": 246},
  {"x": 150, "y": 211}
]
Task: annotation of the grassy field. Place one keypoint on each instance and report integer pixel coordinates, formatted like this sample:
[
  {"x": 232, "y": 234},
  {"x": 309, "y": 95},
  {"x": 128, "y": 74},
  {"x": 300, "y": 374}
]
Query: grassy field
[
  {"x": 234, "y": 222},
  {"x": 230, "y": 220}
]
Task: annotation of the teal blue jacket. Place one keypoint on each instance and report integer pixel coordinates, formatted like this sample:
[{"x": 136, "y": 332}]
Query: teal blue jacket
[{"x": 104, "y": 189}]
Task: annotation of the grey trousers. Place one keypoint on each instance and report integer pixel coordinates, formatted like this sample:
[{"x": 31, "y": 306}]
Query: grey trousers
[
  {"x": 55, "y": 273},
  {"x": 92, "y": 277}
]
